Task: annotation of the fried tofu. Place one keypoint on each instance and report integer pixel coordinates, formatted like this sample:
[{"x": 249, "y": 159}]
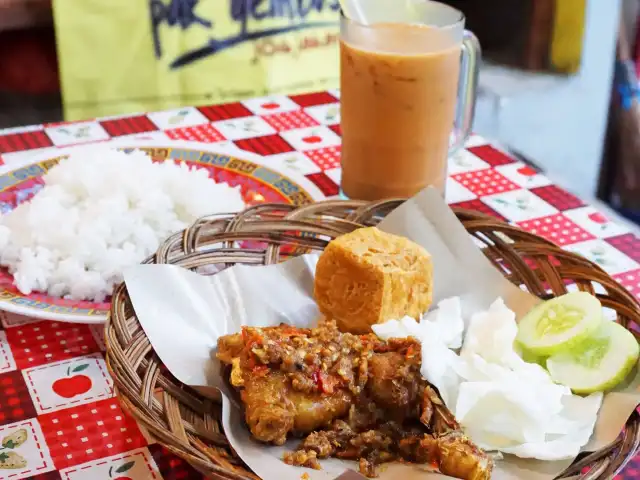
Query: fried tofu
[{"x": 368, "y": 276}]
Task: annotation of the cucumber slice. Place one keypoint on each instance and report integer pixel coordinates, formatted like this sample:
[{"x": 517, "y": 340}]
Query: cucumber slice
[
  {"x": 558, "y": 324},
  {"x": 599, "y": 363},
  {"x": 529, "y": 357}
]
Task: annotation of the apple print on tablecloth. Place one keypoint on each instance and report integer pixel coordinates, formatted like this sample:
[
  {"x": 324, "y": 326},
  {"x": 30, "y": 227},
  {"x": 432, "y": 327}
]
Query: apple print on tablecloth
[
  {"x": 117, "y": 473},
  {"x": 598, "y": 218},
  {"x": 523, "y": 175},
  {"x": 68, "y": 383},
  {"x": 311, "y": 138},
  {"x": 271, "y": 104},
  {"x": 595, "y": 222},
  {"x": 74, "y": 383},
  {"x": 527, "y": 171}
]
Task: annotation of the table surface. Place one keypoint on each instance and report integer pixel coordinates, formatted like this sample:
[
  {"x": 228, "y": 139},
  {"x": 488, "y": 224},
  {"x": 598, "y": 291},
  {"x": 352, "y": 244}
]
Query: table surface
[{"x": 88, "y": 436}]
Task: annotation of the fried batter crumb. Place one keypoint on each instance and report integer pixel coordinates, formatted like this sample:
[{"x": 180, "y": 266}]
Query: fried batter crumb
[
  {"x": 367, "y": 468},
  {"x": 303, "y": 458}
]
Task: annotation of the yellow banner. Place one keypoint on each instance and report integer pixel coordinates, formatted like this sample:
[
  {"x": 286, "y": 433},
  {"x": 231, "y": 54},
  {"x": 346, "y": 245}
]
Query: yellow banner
[
  {"x": 568, "y": 35},
  {"x": 124, "y": 56}
]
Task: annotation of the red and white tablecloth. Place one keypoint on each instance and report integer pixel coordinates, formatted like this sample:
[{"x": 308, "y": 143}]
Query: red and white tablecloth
[{"x": 91, "y": 438}]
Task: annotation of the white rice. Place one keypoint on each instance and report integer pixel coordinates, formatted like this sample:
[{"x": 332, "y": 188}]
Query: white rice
[{"x": 101, "y": 211}]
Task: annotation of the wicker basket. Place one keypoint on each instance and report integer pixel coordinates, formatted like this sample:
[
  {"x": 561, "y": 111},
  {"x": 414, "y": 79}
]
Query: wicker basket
[{"x": 187, "y": 424}]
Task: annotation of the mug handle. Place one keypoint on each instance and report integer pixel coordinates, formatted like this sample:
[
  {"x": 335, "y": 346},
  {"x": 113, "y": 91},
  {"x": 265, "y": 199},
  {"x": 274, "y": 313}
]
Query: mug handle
[{"x": 467, "y": 90}]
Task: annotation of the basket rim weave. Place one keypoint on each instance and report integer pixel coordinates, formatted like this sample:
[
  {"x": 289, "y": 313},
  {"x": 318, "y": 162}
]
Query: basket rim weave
[{"x": 187, "y": 424}]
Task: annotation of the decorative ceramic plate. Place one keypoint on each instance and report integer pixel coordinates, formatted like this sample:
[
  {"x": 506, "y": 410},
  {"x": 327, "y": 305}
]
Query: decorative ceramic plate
[{"x": 258, "y": 183}]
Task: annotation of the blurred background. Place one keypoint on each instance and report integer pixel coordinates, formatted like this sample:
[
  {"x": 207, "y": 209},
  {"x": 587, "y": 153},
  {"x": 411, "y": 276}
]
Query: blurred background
[{"x": 557, "y": 88}]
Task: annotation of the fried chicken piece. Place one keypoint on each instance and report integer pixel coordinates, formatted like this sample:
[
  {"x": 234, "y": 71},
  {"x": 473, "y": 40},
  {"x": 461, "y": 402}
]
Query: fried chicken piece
[
  {"x": 317, "y": 411},
  {"x": 269, "y": 412},
  {"x": 354, "y": 397},
  {"x": 302, "y": 458},
  {"x": 435, "y": 413},
  {"x": 456, "y": 456},
  {"x": 230, "y": 347},
  {"x": 273, "y": 409},
  {"x": 395, "y": 384}
]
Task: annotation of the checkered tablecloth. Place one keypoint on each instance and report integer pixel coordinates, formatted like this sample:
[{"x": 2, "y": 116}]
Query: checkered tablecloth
[{"x": 87, "y": 436}]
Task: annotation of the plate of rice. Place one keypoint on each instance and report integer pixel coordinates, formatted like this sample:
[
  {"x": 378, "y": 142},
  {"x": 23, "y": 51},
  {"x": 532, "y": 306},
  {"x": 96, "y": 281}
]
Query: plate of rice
[{"x": 72, "y": 220}]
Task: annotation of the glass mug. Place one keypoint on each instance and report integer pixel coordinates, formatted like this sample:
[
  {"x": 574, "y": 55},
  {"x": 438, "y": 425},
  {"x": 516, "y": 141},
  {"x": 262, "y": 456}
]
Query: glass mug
[{"x": 408, "y": 93}]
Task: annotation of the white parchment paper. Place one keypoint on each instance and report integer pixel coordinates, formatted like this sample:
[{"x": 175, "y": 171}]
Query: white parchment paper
[{"x": 184, "y": 314}]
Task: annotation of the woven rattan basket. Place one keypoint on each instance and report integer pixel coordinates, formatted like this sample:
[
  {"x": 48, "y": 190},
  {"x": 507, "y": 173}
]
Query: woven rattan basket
[{"x": 187, "y": 424}]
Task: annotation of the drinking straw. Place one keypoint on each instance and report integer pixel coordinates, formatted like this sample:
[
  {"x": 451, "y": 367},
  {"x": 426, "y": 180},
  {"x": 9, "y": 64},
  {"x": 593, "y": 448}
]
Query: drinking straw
[
  {"x": 363, "y": 10},
  {"x": 354, "y": 10}
]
